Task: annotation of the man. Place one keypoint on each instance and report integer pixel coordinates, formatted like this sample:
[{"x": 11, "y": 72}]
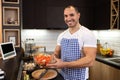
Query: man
[{"x": 76, "y": 48}]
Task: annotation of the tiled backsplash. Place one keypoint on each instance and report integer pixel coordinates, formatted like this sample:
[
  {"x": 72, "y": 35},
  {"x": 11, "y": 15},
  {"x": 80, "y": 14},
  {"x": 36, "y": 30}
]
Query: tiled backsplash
[
  {"x": 112, "y": 37},
  {"x": 48, "y": 38},
  {"x": 42, "y": 37}
]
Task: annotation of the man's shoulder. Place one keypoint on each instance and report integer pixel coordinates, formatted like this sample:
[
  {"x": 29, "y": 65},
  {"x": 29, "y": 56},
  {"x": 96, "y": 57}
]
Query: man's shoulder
[
  {"x": 64, "y": 32},
  {"x": 85, "y": 28}
]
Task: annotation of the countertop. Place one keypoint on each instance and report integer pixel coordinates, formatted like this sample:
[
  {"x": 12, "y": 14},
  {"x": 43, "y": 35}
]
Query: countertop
[
  {"x": 20, "y": 77},
  {"x": 107, "y": 60},
  {"x": 12, "y": 67}
]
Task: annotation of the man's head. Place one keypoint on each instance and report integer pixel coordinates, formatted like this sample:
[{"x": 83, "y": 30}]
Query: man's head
[{"x": 71, "y": 16}]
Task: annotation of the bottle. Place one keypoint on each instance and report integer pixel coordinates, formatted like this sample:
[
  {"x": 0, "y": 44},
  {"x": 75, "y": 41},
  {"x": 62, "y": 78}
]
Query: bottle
[
  {"x": 25, "y": 76},
  {"x": 98, "y": 46}
]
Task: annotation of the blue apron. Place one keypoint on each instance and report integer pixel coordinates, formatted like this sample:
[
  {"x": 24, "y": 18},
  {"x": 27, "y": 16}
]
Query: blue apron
[{"x": 70, "y": 51}]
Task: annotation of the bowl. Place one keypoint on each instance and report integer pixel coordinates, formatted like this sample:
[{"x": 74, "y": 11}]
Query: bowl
[
  {"x": 42, "y": 59},
  {"x": 107, "y": 52},
  {"x": 50, "y": 74},
  {"x": 29, "y": 66}
]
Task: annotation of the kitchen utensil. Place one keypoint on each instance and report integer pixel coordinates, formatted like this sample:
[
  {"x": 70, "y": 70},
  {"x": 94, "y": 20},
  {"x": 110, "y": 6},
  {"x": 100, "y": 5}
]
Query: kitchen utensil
[{"x": 42, "y": 74}]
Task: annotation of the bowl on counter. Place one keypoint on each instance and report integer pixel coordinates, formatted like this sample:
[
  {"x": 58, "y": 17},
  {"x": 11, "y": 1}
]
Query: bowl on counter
[
  {"x": 108, "y": 52},
  {"x": 42, "y": 59}
]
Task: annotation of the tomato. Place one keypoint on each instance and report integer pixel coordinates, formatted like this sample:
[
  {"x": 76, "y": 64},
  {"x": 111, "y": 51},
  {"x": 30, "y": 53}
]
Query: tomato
[{"x": 42, "y": 59}]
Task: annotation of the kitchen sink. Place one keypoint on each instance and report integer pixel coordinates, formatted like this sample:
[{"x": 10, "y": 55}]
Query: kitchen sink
[{"x": 116, "y": 60}]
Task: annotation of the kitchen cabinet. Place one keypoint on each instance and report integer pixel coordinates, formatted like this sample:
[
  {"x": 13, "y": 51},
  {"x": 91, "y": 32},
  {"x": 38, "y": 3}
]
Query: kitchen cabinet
[
  {"x": 102, "y": 14},
  {"x": 11, "y": 1},
  {"x": 0, "y": 22},
  {"x": 34, "y": 14},
  {"x": 101, "y": 71},
  {"x": 115, "y": 11},
  {"x": 48, "y": 14},
  {"x": 12, "y": 35},
  {"x": 28, "y": 13},
  {"x": 38, "y": 15},
  {"x": 55, "y": 13},
  {"x": 11, "y": 16},
  {"x": 10, "y": 21}
]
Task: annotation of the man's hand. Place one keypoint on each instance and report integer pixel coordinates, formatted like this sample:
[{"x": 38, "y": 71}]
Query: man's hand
[{"x": 58, "y": 63}]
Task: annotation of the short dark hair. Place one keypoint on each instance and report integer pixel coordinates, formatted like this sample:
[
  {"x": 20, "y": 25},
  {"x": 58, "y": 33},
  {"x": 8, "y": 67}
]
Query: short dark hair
[{"x": 76, "y": 9}]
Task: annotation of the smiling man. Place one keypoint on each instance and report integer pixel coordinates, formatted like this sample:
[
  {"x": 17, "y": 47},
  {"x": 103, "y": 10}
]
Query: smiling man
[{"x": 76, "y": 48}]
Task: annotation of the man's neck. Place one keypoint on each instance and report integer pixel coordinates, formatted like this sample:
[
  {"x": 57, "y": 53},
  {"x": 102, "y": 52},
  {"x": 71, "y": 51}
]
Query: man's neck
[{"x": 74, "y": 29}]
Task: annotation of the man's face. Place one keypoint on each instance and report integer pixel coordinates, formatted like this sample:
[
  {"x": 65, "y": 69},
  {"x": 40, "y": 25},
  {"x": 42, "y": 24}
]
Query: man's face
[{"x": 71, "y": 17}]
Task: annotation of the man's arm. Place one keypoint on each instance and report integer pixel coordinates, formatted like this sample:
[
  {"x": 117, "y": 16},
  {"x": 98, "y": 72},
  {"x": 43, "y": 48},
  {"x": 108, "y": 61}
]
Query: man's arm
[
  {"x": 57, "y": 51},
  {"x": 86, "y": 61}
]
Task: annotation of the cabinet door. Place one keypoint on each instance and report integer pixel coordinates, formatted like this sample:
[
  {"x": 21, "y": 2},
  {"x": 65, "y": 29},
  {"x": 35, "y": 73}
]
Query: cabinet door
[
  {"x": 102, "y": 14},
  {"x": 55, "y": 18},
  {"x": 28, "y": 14},
  {"x": 34, "y": 14},
  {"x": 40, "y": 14},
  {"x": 101, "y": 71}
]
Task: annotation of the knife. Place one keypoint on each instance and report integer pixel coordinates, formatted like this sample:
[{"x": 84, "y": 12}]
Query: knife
[{"x": 42, "y": 74}]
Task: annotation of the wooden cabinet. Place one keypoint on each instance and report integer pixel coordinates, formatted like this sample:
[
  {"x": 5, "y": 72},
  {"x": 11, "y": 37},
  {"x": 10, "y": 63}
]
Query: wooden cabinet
[
  {"x": 49, "y": 14},
  {"x": 28, "y": 12},
  {"x": 11, "y": 1},
  {"x": 101, "y": 71},
  {"x": 12, "y": 35},
  {"x": 0, "y": 21},
  {"x": 34, "y": 14},
  {"x": 10, "y": 21},
  {"x": 102, "y": 14},
  {"x": 11, "y": 16}
]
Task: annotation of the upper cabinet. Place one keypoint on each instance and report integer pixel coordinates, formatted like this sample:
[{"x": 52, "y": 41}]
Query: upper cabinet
[
  {"x": 106, "y": 14},
  {"x": 40, "y": 14},
  {"x": 115, "y": 14},
  {"x": 48, "y": 14},
  {"x": 28, "y": 13},
  {"x": 102, "y": 14}
]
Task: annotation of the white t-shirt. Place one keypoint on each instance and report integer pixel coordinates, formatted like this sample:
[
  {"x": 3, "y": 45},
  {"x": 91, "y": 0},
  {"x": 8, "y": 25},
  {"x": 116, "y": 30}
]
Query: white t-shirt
[{"x": 85, "y": 37}]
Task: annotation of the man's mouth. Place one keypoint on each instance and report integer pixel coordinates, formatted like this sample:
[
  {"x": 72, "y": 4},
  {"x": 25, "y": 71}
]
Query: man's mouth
[{"x": 71, "y": 21}]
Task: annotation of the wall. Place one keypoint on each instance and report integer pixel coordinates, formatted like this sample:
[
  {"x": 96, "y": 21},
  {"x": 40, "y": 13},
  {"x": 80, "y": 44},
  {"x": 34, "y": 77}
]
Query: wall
[
  {"x": 112, "y": 37},
  {"x": 42, "y": 37},
  {"x": 48, "y": 37}
]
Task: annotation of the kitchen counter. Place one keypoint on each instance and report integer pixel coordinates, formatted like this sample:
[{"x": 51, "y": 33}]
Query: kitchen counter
[
  {"x": 11, "y": 67},
  {"x": 107, "y": 60},
  {"x": 20, "y": 77}
]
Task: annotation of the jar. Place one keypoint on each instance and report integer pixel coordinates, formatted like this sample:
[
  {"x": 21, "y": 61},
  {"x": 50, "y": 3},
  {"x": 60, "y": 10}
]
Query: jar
[{"x": 29, "y": 43}]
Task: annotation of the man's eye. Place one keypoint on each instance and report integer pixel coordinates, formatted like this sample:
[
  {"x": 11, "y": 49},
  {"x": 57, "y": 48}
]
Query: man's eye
[
  {"x": 65, "y": 15},
  {"x": 71, "y": 14}
]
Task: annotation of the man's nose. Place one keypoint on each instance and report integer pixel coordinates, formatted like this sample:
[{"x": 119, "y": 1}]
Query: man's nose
[{"x": 68, "y": 18}]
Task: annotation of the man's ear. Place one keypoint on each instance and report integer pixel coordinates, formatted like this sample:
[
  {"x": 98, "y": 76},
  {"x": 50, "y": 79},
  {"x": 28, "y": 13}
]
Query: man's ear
[{"x": 79, "y": 15}]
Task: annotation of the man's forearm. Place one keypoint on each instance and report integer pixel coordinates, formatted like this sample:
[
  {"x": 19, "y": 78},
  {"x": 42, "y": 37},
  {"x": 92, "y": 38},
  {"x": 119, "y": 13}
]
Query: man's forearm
[{"x": 57, "y": 55}]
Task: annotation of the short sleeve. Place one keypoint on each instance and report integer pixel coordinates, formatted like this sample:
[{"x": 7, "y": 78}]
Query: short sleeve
[
  {"x": 59, "y": 40},
  {"x": 89, "y": 40}
]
